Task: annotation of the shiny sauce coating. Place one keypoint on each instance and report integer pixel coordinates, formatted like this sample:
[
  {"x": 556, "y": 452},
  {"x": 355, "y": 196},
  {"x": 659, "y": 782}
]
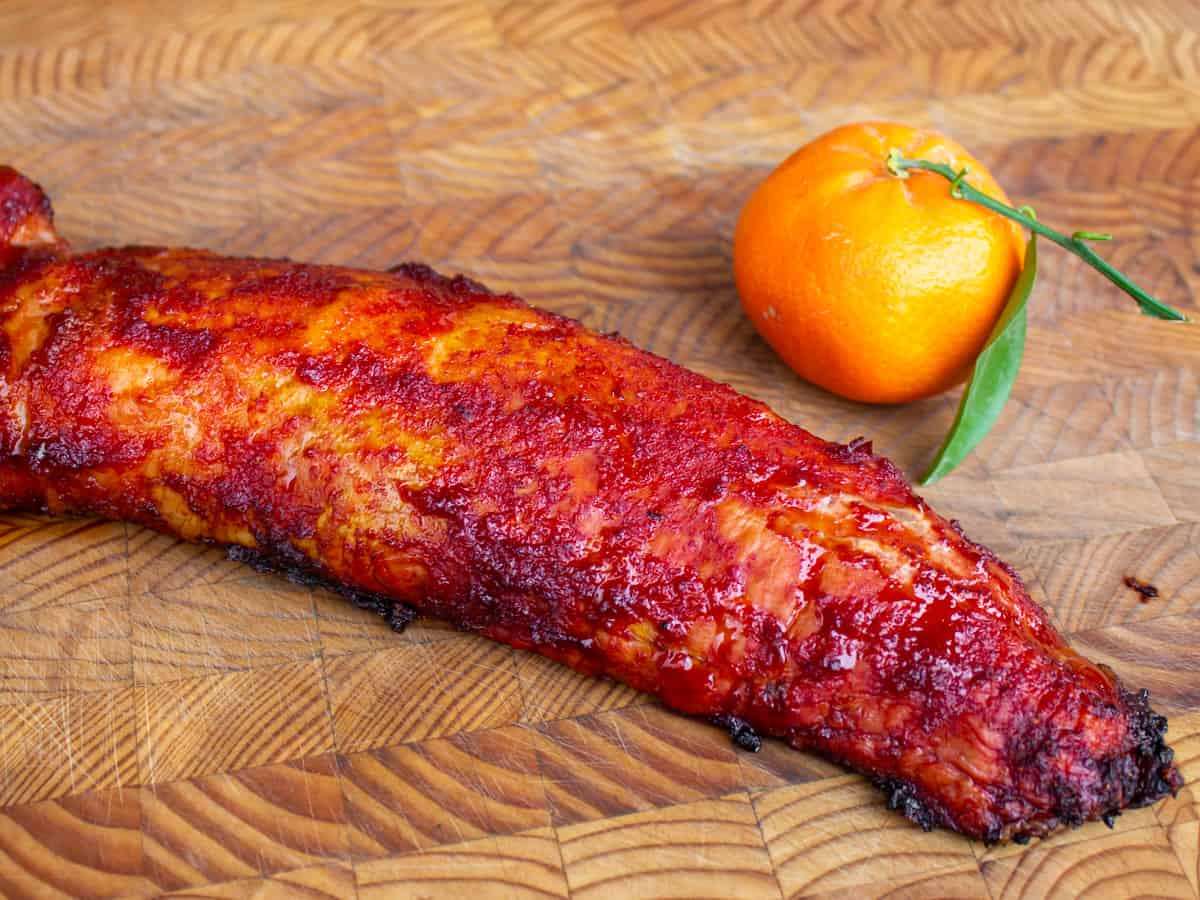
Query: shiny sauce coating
[{"x": 422, "y": 439}]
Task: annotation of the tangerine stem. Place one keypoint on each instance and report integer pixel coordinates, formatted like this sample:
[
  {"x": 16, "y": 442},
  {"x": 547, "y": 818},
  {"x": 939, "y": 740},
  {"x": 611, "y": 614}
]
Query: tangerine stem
[{"x": 899, "y": 166}]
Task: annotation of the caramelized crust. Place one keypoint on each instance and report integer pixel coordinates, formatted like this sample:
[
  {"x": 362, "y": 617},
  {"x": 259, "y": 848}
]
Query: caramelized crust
[{"x": 416, "y": 440}]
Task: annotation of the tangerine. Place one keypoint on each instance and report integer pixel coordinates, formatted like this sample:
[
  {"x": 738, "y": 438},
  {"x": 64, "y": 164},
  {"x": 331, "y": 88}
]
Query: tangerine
[{"x": 877, "y": 287}]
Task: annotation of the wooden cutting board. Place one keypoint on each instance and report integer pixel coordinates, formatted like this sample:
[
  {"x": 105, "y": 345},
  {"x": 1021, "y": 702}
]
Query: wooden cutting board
[{"x": 170, "y": 720}]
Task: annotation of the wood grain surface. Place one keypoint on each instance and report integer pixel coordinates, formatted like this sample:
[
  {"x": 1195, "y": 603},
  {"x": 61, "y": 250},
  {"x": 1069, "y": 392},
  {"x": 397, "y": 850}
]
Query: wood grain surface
[{"x": 171, "y": 721}]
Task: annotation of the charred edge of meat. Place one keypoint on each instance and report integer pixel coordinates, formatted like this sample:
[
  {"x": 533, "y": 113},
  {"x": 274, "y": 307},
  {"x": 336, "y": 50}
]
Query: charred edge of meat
[
  {"x": 740, "y": 732},
  {"x": 1138, "y": 777},
  {"x": 397, "y": 615},
  {"x": 424, "y": 274},
  {"x": 1155, "y": 776},
  {"x": 902, "y": 797}
]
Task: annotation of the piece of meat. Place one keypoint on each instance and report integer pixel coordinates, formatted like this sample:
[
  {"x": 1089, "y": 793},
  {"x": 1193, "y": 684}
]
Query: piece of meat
[{"x": 417, "y": 441}]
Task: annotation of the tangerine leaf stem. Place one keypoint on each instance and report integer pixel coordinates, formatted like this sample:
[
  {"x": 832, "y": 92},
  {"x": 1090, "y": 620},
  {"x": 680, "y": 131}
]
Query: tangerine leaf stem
[{"x": 900, "y": 166}]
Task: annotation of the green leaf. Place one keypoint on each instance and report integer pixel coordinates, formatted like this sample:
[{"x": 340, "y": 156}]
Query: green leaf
[{"x": 992, "y": 380}]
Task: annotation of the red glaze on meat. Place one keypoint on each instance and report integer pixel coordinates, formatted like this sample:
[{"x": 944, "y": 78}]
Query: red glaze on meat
[{"x": 416, "y": 440}]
